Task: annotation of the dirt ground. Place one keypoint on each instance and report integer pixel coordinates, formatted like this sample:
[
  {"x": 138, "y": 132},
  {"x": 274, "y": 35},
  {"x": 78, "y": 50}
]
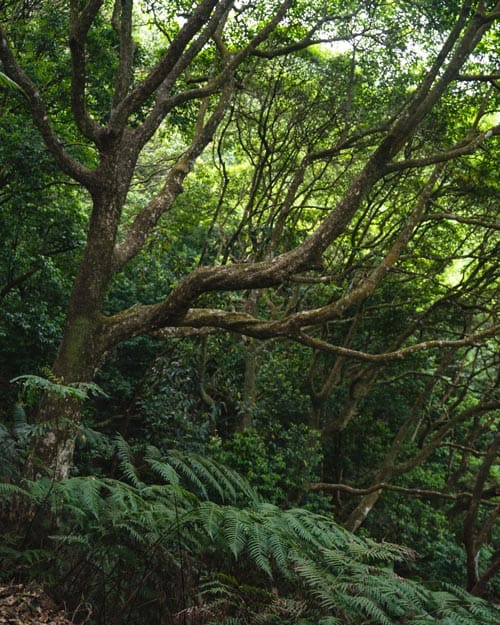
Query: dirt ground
[{"x": 29, "y": 605}]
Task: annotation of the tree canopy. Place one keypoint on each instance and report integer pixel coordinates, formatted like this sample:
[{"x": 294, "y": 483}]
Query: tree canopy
[{"x": 266, "y": 234}]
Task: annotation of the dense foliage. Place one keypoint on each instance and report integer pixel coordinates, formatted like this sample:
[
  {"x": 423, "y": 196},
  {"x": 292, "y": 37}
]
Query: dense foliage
[{"x": 249, "y": 340}]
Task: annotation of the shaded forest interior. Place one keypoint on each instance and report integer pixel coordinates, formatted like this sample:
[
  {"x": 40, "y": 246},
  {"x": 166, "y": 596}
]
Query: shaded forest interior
[{"x": 249, "y": 296}]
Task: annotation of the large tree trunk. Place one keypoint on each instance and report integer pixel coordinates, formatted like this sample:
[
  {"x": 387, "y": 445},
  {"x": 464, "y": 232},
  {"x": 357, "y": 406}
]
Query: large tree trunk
[
  {"x": 80, "y": 354},
  {"x": 85, "y": 338},
  {"x": 139, "y": 106}
]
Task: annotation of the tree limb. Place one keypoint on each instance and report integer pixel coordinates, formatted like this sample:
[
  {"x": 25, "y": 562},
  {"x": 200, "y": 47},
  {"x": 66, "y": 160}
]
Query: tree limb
[
  {"x": 467, "y": 146},
  {"x": 412, "y": 492},
  {"x": 80, "y": 24},
  {"x": 66, "y": 162},
  {"x": 148, "y": 217}
]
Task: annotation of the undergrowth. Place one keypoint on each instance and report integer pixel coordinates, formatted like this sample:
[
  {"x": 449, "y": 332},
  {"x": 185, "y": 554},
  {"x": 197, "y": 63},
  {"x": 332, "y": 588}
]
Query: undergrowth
[{"x": 181, "y": 539}]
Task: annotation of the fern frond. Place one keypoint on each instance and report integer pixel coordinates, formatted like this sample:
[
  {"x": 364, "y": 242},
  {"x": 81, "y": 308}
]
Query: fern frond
[
  {"x": 238, "y": 483},
  {"x": 371, "y": 609},
  {"x": 86, "y": 492},
  {"x": 299, "y": 526},
  {"x": 24, "y": 558},
  {"x": 126, "y": 462},
  {"x": 8, "y": 490},
  {"x": 234, "y": 530},
  {"x": 279, "y": 550},
  {"x": 208, "y": 472},
  {"x": 164, "y": 470},
  {"x": 207, "y": 476},
  {"x": 371, "y": 551},
  {"x": 258, "y": 547},
  {"x": 183, "y": 466},
  {"x": 211, "y": 516},
  {"x": 40, "y": 490}
]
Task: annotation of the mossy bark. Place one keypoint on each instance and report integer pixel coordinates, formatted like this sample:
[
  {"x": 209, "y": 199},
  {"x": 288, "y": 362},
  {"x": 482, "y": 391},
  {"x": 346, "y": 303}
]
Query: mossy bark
[{"x": 58, "y": 418}]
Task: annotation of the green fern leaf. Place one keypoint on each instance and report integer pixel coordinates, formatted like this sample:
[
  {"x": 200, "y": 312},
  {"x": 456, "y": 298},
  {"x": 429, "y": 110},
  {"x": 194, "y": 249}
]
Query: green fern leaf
[
  {"x": 126, "y": 462},
  {"x": 183, "y": 466},
  {"x": 257, "y": 545},
  {"x": 164, "y": 470},
  {"x": 233, "y": 528},
  {"x": 8, "y": 490},
  {"x": 211, "y": 516}
]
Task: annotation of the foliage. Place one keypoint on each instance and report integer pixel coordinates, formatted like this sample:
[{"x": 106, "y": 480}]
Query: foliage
[
  {"x": 33, "y": 386},
  {"x": 173, "y": 535},
  {"x": 279, "y": 462},
  {"x": 229, "y": 217},
  {"x": 5, "y": 81}
]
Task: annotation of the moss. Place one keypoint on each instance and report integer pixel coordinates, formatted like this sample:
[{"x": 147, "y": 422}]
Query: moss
[{"x": 79, "y": 353}]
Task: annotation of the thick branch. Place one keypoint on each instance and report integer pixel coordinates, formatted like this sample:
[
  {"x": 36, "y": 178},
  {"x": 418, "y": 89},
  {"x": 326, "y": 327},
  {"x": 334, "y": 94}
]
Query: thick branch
[
  {"x": 123, "y": 8},
  {"x": 148, "y": 217},
  {"x": 80, "y": 24},
  {"x": 412, "y": 492}
]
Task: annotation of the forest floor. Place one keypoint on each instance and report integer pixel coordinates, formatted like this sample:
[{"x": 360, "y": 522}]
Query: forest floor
[{"x": 29, "y": 605}]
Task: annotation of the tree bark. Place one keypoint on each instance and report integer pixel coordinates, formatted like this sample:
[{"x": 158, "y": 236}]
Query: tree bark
[
  {"x": 88, "y": 335},
  {"x": 248, "y": 403},
  {"x": 475, "y": 535}
]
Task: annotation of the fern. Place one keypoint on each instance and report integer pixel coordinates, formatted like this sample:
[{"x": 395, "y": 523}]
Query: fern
[
  {"x": 234, "y": 531},
  {"x": 258, "y": 547},
  {"x": 168, "y": 534},
  {"x": 8, "y": 490},
  {"x": 210, "y": 515},
  {"x": 163, "y": 470},
  {"x": 5, "y": 81},
  {"x": 126, "y": 462},
  {"x": 32, "y": 385}
]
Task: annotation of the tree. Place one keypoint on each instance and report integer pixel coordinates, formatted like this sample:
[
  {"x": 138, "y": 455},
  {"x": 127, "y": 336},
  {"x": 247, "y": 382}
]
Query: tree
[{"x": 176, "y": 73}]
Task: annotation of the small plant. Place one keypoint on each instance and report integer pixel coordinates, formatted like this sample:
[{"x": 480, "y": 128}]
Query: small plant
[
  {"x": 32, "y": 386},
  {"x": 5, "y": 81}
]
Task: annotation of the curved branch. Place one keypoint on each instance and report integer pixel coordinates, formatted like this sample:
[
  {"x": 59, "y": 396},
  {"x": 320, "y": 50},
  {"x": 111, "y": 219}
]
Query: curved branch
[
  {"x": 148, "y": 217},
  {"x": 412, "y": 492},
  {"x": 397, "y": 354},
  {"x": 66, "y": 162},
  {"x": 465, "y": 147},
  {"x": 80, "y": 24}
]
